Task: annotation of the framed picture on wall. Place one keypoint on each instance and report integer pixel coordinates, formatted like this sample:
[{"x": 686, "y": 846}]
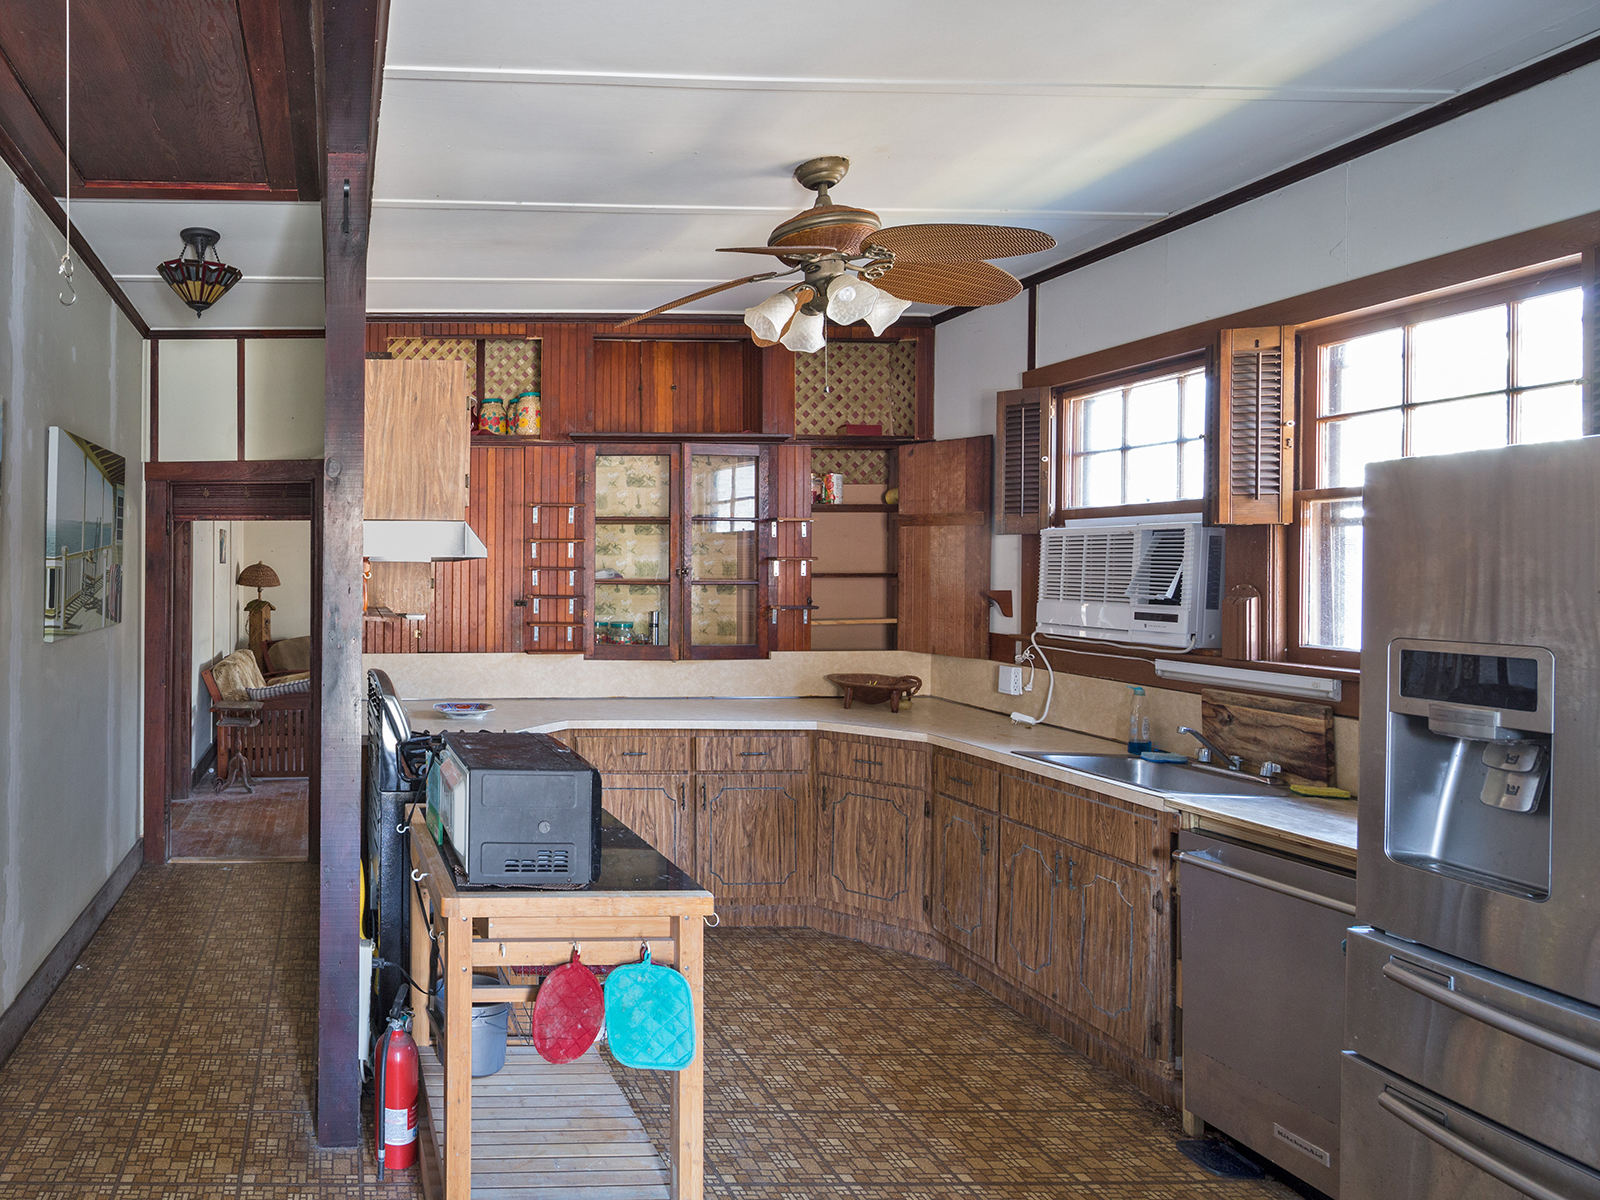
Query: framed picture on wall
[{"x": 84, "y": 506}]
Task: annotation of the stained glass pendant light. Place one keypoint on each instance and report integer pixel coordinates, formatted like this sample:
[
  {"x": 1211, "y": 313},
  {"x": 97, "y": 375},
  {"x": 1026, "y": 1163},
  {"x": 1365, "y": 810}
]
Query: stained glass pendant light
[{"x": 199, "y": 283}]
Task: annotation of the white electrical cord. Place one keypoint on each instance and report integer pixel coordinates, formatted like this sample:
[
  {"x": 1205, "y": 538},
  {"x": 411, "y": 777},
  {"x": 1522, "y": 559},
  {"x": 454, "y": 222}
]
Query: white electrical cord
[{"x": 1033, "y": 643}]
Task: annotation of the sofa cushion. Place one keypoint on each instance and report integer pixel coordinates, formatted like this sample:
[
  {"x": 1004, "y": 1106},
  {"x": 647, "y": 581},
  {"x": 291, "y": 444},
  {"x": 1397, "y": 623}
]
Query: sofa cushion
[
  {"x": 236, "y": 674},
  {"x": 287, "y": 687},
  {"x": 289, "y": 655}
]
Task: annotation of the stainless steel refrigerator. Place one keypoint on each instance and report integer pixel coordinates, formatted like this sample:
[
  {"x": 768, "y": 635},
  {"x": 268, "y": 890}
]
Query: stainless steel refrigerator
[{"x": 1472, "y": 998}]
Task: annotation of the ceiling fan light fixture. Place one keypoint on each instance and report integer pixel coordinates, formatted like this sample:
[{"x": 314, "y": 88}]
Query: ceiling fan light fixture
[
  {"x": 807, "y": 333},
  {"x": 768, "y": 319},
  {"x": 199, "y": 283},
  {"x": 850, "y": 299},
  {"x": 886, "y": 310}
]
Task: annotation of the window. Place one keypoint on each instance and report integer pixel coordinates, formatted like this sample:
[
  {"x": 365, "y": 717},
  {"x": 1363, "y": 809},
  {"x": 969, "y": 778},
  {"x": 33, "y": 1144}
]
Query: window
[
  {"x": 1140, "y": 442},
  {"x": 1449, "y": 377}
]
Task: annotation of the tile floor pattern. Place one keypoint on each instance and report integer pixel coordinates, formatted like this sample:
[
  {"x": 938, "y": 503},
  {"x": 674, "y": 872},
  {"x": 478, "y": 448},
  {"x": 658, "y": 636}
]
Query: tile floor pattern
[
  {"x": 178, "y": 1062},
  {"x": 235, "y": 826}
]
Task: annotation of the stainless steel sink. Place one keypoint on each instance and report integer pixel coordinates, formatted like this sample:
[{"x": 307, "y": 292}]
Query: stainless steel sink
[{"x": 1182, "y": 779}]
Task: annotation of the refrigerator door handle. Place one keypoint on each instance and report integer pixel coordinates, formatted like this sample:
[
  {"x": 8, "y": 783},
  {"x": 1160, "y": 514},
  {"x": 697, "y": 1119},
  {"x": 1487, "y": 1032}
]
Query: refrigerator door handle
[
  {"x": 1408, "y": 1111},
  {"x": 1193, "y": 859},
  {"x": 1422, "y": 982}
]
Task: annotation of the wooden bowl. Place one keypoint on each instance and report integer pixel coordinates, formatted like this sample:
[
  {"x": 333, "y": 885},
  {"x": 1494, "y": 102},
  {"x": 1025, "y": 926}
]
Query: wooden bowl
[{"x": 875, "y": 689}]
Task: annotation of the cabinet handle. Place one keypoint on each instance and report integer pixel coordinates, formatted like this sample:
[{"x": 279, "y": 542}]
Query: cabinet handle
[
  {"x": 1055, "y": 874},
  {"x": 983, "y": 840},
  {"x": 752, "y": 754},
  {"x": 824, "y": 799},
  {"x": 956, "y": 779},
  {"x": 869, "y": 762},
  {"x": 634, "y": 753},
  {"x": 681, "y": 804},
  {"x": 703, "y": 801}
]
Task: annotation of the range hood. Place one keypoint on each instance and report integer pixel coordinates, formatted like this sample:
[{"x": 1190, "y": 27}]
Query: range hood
[{"x": 420, "y": 541}]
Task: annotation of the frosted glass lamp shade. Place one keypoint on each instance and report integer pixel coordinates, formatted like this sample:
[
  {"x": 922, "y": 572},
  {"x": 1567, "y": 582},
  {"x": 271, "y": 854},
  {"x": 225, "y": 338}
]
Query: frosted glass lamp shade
[
  {"x": 807, "y": 333},
  {"x": 850, "y": 299},
  {"x": 768, "y": 319},
  {"x": 886, "y": 311}
]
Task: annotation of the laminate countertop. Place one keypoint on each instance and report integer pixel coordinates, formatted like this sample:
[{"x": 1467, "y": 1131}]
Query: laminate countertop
[{"x": 1321, "y": 828}]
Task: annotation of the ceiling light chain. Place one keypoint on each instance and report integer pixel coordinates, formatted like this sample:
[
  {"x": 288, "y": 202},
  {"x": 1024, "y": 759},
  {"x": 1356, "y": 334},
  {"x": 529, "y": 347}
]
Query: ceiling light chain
[{"x": 65, "y": 269}]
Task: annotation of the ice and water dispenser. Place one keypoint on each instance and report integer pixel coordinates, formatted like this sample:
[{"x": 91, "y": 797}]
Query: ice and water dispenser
[{"x": 1468, "y": 770}]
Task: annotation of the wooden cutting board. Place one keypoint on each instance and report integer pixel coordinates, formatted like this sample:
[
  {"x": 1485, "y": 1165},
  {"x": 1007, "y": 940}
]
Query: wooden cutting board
[{"x": 1295, "y": 734}]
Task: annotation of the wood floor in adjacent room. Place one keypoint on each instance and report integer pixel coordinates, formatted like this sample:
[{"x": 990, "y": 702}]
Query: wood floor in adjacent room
[
  {"x": 178, "y": 1061},
  {"x": 235, "y": 826}
]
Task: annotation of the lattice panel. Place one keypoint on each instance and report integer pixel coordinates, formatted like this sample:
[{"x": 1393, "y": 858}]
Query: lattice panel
[
  {"x": 857, "y": 466},
  {"x": 440, "y": 350},
  {"x": 510, "y": 367},
  {"x": 874, "y": 383}
]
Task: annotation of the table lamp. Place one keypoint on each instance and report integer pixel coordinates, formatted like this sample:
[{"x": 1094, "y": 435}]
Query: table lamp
[{"x": 259, "y": 575}]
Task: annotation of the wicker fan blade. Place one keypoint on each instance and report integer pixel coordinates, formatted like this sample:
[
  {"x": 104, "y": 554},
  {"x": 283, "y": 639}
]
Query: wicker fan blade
[
  {"x": 710, "y": 291},
  {"x": 784, "y": 251},
  {"x": 958, "y": 243},
  {"x": 965, "y": 284}
]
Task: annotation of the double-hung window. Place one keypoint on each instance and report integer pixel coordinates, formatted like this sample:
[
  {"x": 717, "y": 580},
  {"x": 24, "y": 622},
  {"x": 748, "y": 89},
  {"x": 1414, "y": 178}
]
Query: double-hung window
[
  {"x": 1491, "y": 368},
  {"x": 1141, "y": 440}
]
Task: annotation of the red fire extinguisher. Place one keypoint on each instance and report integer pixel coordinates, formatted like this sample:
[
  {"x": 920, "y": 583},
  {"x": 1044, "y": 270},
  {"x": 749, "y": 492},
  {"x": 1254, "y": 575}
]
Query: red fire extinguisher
[{"x": 394, "y": 1098}]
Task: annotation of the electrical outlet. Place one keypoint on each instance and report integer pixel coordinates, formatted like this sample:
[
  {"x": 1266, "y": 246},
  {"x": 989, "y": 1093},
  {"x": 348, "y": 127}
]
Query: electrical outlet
[{"x": 1011, "y": 681}]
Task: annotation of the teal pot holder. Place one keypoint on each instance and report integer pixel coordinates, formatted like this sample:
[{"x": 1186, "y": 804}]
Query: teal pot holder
[{"x": 649, "y": 1017}]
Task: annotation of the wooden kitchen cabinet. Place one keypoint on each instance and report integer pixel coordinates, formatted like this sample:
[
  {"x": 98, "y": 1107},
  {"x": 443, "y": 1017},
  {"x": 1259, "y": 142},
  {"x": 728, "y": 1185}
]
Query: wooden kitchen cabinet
[
  {"x": 753, "y": 837},
  {"x": 1112, "y": 949},
  {"x": 417, "y": 440},
  {"x": 634, "y": 753},
  {"x": 1032, "y": 894},
  {"x": 873, "y": 848},
  {"x": 656, "y": 807},
  {"x": 963, "y": 884}
]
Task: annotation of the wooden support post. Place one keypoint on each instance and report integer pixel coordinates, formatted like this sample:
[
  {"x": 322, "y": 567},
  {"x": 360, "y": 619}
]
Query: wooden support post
[
  {"x": 419, "y": 968},
  {"x": 688, "y": 1085},
  {"x": 455, "y": 934}
]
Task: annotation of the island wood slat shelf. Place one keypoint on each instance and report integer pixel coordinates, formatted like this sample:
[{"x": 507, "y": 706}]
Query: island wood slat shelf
[{"x": 504, "y": 929}]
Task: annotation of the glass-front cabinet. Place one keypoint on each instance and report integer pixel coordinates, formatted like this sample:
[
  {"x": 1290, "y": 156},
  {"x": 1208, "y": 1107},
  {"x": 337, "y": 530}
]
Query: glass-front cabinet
[{"x": 677, "y": 551}]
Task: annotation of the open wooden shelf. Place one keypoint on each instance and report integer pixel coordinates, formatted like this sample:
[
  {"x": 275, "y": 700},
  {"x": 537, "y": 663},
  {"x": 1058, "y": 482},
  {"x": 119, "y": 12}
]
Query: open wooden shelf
[
  {"x": 855, "y": 574},
  {"x": 844, "y": 442}
]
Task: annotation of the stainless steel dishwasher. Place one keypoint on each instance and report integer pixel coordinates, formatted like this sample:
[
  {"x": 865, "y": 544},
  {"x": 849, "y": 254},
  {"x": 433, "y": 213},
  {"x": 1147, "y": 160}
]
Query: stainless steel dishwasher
[{"x": 1262, "y": 938}]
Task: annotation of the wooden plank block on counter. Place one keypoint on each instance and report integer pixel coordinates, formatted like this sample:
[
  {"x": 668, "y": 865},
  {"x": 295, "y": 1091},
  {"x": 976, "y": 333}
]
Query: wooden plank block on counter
[{"x": 1295, "y": 734}]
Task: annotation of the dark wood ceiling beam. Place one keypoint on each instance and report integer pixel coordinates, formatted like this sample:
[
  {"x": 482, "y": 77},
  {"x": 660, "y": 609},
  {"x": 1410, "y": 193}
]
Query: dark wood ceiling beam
[
  {"x": 31, "y": 133},
  {"x": 300, "y": 72},
  {"x": 156, "y": 189},
  {"x": 262, "y": 26},
  {"x": 350, "y": 59}
]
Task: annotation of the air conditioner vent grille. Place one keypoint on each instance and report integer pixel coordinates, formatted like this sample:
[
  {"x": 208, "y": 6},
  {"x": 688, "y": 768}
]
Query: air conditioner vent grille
[
  {"x": 1091, "y": 567},
  {"x": 1159, "y": 578}
]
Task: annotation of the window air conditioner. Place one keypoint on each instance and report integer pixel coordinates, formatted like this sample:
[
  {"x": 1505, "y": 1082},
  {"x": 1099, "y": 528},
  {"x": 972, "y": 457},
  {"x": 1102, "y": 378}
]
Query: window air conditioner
[{"x": 1155, "y": 582}]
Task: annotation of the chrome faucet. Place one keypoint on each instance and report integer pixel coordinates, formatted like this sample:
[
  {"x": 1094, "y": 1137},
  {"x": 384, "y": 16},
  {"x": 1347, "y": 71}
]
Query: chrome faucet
[{"x": 1209, "y": 748}]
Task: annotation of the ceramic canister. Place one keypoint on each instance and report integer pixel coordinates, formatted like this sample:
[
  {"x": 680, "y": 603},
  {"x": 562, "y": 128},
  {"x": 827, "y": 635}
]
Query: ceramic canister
[
  {"x": 523, "y": 415},
  {"x": 833, "y": 487},
  {"x": 492, "y": 416}
]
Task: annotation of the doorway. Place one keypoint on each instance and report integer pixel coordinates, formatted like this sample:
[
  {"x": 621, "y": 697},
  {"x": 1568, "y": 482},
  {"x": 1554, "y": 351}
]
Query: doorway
[{"x": 205, "y": 523}]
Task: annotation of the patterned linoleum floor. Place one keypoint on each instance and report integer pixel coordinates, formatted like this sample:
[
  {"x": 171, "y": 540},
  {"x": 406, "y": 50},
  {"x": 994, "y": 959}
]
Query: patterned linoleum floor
[
  {"x": 236, "y": 826},
  {"x": 178, "y": 1062}
]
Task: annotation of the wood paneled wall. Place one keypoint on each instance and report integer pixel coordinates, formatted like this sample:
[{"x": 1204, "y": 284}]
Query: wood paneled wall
[{"x": 676, "y": 386}]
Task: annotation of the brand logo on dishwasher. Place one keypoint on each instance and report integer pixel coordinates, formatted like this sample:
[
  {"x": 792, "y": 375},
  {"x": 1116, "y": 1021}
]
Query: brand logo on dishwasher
[{"x": 1300, "y": 1144}]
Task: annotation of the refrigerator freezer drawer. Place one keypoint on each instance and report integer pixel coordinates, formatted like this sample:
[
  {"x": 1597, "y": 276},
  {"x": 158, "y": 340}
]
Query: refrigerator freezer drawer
[
  {"x": 1519, "y": 1055},
  {"x": 1403, "y": 1140}
]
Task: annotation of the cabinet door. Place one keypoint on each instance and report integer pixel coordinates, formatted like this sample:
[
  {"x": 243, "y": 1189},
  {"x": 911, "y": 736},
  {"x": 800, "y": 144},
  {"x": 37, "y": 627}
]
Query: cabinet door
[
  {"x": 754, "y": 844},
  {"x": 963, "y": 885},
  {"x": 655, "y": 807},
  {"x": 874, "y": 848},
  {"x": 1111, "y": 951},
  {"x": 1032, "y": 900},
  {"x": 418, "y": 440},
  {"x": 723, "y": 557}
]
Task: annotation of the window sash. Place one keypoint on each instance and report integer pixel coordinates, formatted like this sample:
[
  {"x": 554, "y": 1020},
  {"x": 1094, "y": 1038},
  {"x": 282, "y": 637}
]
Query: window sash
[{"x": 1073, "y": 455}]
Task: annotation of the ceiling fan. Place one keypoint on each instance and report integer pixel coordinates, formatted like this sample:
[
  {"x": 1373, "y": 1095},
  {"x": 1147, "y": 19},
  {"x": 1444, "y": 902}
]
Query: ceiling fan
[{"x": 853, "y": 269}]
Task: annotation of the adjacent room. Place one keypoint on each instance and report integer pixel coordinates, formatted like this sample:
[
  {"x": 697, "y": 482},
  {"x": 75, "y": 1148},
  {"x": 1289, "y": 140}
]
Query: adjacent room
[{"x": 897, "y": 601}]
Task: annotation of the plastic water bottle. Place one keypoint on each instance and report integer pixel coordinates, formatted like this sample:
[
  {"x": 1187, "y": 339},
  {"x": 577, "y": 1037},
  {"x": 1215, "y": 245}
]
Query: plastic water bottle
[{"x": 1138, "y": 724}]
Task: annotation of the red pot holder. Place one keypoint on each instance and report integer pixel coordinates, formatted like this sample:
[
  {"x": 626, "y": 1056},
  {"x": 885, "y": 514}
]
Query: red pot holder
[{"x": 568, "y": 1012}]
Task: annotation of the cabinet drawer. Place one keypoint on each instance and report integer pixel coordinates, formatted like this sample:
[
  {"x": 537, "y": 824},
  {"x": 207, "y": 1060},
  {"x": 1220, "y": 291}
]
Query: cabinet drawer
[
  {"x": 637, "y": 754},
  {"x": 855, "y": 758},
  {"x": 1092, "y": 823},
  {"x": 965, "y": 781},
  {"x": 753, "y": 752}
]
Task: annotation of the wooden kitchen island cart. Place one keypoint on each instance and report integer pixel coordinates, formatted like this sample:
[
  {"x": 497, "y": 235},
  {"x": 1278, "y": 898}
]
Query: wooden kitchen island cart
[{"x": 546, "y": 1130}]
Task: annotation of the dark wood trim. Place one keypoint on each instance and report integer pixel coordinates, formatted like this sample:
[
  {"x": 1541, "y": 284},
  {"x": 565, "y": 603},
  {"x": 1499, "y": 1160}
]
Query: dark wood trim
[
  {"x": 261, "y": 470},
  {"x": 481, "y": 366},
  {"x": 156, "y": 189},
  {"x": 41, "y": 985},
  {"x": 634, "y": 441},
  {"x": 158, "y": 587},
  {"x": 261, "y": 27},
  {"x": 1580, "y": 54},
  {"x": 203, "y": 767},
  {"x": 155, "y": 404},
  {"x": 1474, "y": 264},
  {"x": 82, "y": 251},
  {"x": 558, "y": 318},
  {"x": 240, "y": 344},
  {"x": 1131, "y": 510},
  {"x": 1127, "y": 665},
  {"x": 180, "y": 652},
  {"x": 1033, "y": 327},
  {"x": 194, "y": 335},
  {"x": 924, "y": 421}
]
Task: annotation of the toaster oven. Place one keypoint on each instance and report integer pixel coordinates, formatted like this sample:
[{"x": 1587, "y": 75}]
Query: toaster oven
[{"x": 517, "y": 809}]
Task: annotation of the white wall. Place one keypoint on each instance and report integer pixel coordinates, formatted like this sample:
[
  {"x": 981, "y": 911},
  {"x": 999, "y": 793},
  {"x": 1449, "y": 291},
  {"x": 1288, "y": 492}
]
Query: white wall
[
  {"x": 285, "y": 546},
  {"x": 215, "y": 630},
  {"x": 197, "y": 399},
  {"x": 70, "y": 710},
  {"x": 1524, "y": 162}
]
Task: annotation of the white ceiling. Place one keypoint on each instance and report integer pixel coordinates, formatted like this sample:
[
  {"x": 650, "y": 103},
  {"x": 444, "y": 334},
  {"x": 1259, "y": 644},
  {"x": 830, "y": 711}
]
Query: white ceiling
[{"x": 559, "y": 157}]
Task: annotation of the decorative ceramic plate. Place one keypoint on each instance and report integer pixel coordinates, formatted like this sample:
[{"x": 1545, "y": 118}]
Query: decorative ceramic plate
[{"x": 464, "y": 709}]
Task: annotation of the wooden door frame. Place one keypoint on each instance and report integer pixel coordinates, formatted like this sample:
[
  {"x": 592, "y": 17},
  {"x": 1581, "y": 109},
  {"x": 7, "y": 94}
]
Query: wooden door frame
[{"x": 176, "y": 495}]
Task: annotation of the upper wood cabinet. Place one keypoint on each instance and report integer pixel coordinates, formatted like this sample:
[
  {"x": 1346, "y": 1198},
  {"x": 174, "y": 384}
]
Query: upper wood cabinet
[
  {"x": 654, "y": 386},
  {"x": 417, "y": 441},
  {"x": 944, "y": 547},
  {"x": 1255, "y": 427},
  {"x": 1023, "y": 432}
]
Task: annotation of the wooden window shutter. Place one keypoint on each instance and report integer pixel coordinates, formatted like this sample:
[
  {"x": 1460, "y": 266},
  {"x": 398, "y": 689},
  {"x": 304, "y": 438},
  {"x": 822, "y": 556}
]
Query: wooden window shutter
[
  {"x": 1255, "y": 427},
  {"x": 1022, "y": 460}
]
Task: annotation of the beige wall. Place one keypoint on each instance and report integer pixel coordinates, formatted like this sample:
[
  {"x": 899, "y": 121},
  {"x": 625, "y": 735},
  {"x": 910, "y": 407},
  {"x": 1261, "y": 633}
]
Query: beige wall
[
  {"x": 197, "y": 399},
  {"x": 285, "y": 546}
]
